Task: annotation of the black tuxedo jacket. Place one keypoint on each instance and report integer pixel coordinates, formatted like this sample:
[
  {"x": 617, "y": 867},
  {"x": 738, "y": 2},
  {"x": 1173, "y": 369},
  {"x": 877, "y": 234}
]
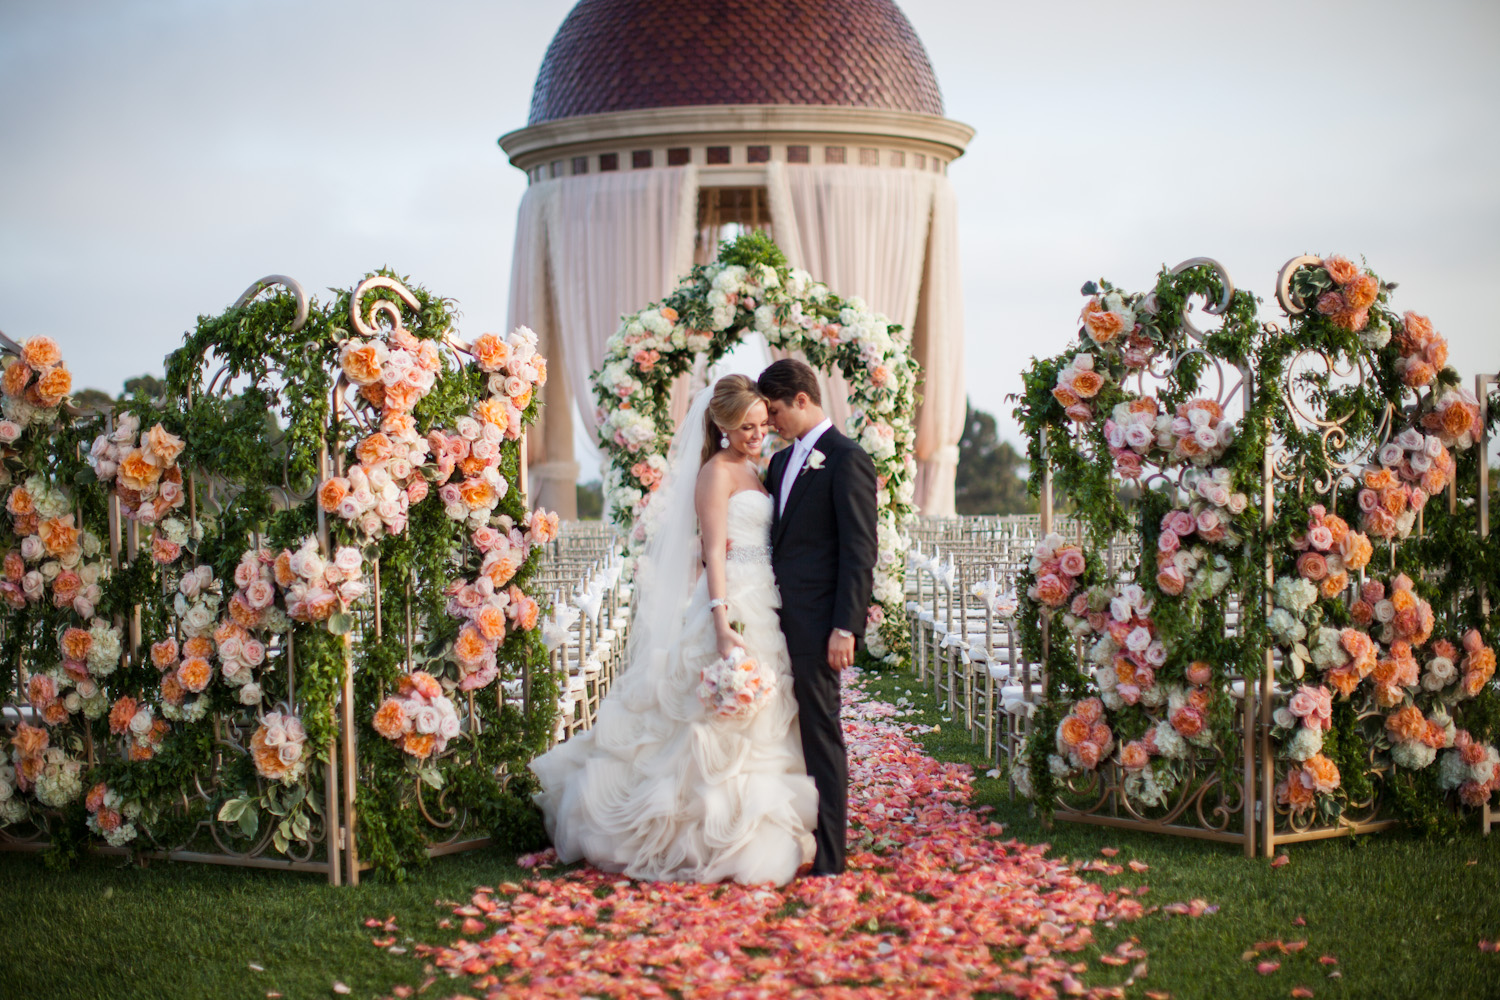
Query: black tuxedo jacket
[{"x": 823, "y": 546}]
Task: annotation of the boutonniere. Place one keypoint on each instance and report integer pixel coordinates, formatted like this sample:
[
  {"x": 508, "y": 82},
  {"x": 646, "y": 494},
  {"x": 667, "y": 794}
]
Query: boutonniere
[{"x": 815, "y": 459}]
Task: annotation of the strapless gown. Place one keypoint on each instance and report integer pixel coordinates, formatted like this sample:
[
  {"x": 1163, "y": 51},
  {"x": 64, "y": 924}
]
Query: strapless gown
[{"x": 659, "y": 789}]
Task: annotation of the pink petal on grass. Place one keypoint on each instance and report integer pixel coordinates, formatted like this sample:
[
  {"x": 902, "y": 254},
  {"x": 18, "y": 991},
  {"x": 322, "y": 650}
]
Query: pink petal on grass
[
  {"x": 1301, "y": 992},
  {"x": 1268, "y": 967},
  {"x": 1279, "y": 860},
  {"x": 1139, "y": 866},
  {"x": 1328, "y": 960},
  {"x": 1299, "y": 921},
  {"x": 1109, "y": 852}
]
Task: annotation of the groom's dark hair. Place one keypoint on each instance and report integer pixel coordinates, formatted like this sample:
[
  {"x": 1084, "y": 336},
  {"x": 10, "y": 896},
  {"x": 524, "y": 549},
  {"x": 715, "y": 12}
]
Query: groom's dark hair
[{"x": 787, "y": 377}]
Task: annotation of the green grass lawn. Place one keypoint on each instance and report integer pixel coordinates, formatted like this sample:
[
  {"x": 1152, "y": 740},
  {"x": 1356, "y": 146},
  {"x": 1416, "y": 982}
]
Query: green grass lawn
[{"x": 1402, "y": 915}]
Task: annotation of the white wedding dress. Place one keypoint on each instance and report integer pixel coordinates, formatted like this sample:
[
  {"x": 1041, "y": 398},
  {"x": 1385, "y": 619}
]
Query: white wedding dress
[{"x": 661, "y": 790}]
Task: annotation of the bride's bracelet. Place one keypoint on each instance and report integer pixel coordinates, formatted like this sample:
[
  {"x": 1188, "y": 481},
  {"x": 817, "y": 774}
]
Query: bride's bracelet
[{"x": 717, "y": 602}]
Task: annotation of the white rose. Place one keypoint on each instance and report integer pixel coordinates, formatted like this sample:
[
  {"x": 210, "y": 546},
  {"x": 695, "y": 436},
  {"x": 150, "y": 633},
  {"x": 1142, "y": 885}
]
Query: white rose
[{"x": 140, "y": 722}]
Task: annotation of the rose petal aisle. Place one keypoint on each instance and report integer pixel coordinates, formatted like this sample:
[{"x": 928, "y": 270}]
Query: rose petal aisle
[{"x": 934, "y": 904}]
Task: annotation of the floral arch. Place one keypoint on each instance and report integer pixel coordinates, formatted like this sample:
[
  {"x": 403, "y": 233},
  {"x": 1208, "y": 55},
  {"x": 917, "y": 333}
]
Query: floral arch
[{"x": 750, "y": 287}]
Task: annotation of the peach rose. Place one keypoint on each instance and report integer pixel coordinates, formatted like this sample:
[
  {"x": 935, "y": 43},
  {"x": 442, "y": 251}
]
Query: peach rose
[
  {"x": 1051, "y": 590},
  {"x": 171, "y": 688},
  {"x": 1334, "y": 584},
  {"x": 390, "y": 719},
  {"x": 1406, "y": 723},
  {"x": 53, "y": 386},
  {"x": 1340, "y": 269},
  {"x": 361, "y": 363},
  {"x": 1134, "y": 755},
  {"x": 374, "y": 449},
  {"x": 1087, "y": 384},
  {"x": 477, "y": 493},
  {"x": 199, "y": 645},
  {"x": 1321, "y": 773},
  {"x": 492, "y": 352},
  {"x": 282, "y": 570},
  {"x": 491, "y": 623},
  {"x": 137, "y": 471},
  {"x": 1188, "y": 721},
  {"x": 120, "y": 715},
  {"x": 267, "y": 758},
  {"x": 330, "y": 495},
  {"x": 17, "y": 374},
  {"x": 76, "y": 643},
  {"x": 422, "y": 683},
  {"x": 41, "y": 352},
  {"x": 30, "y": 741},
  {"x": 1074, "y": 731},
  {"x": 59, "y": 536},
  {"x": 1065, "y": 396},
  {"x": 470, "y": 649},
  {"x": 540, "y": 364},
  {"x": 502, "y": 567},
  {"x": 1102, "y": 326},
  {"x": 162, "y": 447},
  {"x": 419, "y": 745},
  {"x": 493, "y": 411},
  {"x": 194, "y": 674},
  {"x": 1361, "y": 291},
  {"x": 1199, "y": 672}
]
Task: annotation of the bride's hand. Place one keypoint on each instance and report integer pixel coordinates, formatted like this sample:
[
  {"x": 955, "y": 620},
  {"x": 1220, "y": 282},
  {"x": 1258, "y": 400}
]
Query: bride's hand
[{"x": 729, "y": 641}]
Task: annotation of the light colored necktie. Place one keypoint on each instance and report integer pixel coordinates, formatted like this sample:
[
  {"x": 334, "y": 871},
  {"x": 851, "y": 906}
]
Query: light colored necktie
[{"x": 793, "y": 470}]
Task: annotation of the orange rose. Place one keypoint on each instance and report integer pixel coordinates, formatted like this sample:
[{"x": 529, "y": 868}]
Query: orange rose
[
  {"x": 1074, "y": 731},
  {"x": 419, "y": 745},
  {"x": 1406, "y": 723},
  {"x": 1360, "y": 292},
  {"x": 1416, "y": 330},
  {"x": 267, "y": 759},
  {"x": 399, "y": 424},
  {"x": 76, "y": 643},
  {"x": 491, "y": 622},
  {"x": 1417, "y": 373},
  {"x": 1334, "y": 584},
  {"x": 227, "y": 630},
  {"x": 198, "y": 645},
  {"x": 53, "y": 386},
  {"x": 120, "y": 715},
  {"x": 390, "y": 719},
  {"x": 1088, "y": 383},
  {"x": 374, "y": 449},
  {"x": 1103, "y": 326},
  {"x": 490, "y": 351},
  {"x": 1343, "y": 679},
  {"x": 194, "y": 674},
  {"x": 493, "y": 411},
  {"x": 522, "y": 401},
  {"x": 137, "y": 472},
  {"x": 320, "y": 604},
  {"x": 361, "y": 363},
  {"x": 1403, "y": 600},
  {"x": 41, "y": 352},
  {"x": 55, "y": 713},
  {"x": 31, "y": 767},
  {"x": 423, "y": 683},
  {"x": 330, "y": 495},
  {"x": 374, "y": 394},
  {"x": 1134, "y": 755},
  {"x": 668, "y": 313},
  {"x": 1067, "y": 397},
  {"x": 1124, "y": 671},
  {"x": 17, "y": 374},
  {"x": 477, "y": 493},
  {"x": 1200, "y": 698},
  {"x": 1393, "y": 501},
  {"x": 540, "y": 364}
]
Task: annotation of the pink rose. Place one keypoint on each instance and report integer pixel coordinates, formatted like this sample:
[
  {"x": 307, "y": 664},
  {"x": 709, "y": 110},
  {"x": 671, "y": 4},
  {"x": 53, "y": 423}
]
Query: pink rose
[
  {"x": 1170, "y": 581},
  {"x": 1208, "y": 521},
  {"x": 1181, "y": 522},
  {"x": 1368, "y": 500},
  {"x": 1320, "y": 538},
  {"x": 1072, "y": 562},
  {"x": 1168, "y": 541},
  {"x": 1312, "y": 566}
]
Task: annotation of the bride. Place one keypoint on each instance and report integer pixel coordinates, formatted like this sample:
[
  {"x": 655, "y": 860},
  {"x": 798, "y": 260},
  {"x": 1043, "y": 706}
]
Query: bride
[{"x": 660, "y": 788}]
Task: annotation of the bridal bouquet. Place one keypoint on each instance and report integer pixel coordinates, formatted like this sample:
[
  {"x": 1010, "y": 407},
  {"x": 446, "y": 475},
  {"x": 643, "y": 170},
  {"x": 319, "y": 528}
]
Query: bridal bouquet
[{"x": 735, "y": 687}]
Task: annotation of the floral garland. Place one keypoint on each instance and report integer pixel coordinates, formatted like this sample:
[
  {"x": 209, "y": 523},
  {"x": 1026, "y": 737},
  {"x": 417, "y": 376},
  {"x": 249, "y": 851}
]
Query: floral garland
[
  {"x": 750, "y": 288},
  {"x": 1356, "y": 656},
  {"x": 222, "y": 599}
]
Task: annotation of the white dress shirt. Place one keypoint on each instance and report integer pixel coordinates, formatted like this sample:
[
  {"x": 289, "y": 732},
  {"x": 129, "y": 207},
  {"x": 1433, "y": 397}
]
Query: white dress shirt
[{"x": 801, "y": 448}]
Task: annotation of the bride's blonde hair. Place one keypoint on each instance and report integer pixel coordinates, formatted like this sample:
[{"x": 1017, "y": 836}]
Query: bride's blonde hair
[{"x": 733, "y": 396}]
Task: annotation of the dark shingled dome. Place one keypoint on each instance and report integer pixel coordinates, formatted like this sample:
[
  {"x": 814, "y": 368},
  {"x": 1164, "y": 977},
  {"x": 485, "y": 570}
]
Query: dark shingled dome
[{"x": 625, "y": 55}]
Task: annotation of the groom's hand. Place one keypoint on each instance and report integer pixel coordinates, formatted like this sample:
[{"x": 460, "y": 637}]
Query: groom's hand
[{"x": 840, "y": 649}]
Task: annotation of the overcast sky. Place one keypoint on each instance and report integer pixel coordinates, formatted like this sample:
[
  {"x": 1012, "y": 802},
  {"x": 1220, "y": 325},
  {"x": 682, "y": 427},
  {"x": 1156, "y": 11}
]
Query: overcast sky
[{"x": 157, "y": 156}]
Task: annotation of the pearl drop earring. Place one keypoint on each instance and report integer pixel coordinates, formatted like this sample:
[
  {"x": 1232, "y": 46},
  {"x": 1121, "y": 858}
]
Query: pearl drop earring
[{"x": 724, "y": 441}]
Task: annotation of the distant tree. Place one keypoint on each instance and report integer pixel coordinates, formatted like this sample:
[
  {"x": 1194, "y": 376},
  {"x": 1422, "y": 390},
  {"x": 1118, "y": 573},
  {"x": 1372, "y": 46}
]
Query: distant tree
[
  {"x": 93, "y": 400},
  {"x": 989, "y": 470},
  {"x": 149, "y": 385},
  {"x": 590, "y": 501}
]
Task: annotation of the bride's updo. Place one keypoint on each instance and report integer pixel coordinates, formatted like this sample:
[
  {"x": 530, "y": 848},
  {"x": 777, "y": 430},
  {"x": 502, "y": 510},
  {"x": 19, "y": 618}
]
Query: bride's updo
[{"x": 733, "y": 396}]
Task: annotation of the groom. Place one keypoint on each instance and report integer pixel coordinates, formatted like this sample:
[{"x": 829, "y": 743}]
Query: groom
[{"x": 823, "y": 549}]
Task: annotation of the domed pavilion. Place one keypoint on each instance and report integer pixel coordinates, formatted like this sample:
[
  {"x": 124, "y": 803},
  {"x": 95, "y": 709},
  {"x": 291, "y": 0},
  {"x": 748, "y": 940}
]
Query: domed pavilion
[{"x": 659, "y": 127}]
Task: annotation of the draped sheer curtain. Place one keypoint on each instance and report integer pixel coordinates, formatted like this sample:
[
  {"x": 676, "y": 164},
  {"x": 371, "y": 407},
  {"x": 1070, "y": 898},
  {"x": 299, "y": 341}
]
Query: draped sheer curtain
[
  {"x": 588, "y": 250},
  {"x": 891, "y": 238}
]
